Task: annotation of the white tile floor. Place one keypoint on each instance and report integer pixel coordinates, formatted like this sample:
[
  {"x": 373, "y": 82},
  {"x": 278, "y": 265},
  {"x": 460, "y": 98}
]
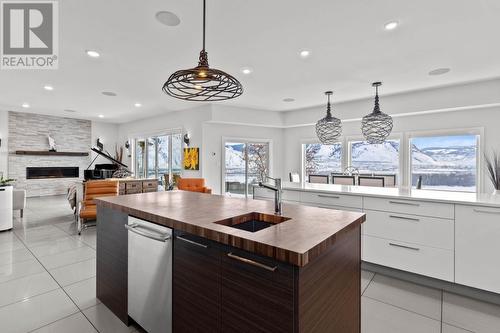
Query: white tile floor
[{"x": 47, "y": 284}]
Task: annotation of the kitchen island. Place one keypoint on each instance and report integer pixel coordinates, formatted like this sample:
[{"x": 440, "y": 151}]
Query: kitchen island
[{"x": 237, "y": 267}]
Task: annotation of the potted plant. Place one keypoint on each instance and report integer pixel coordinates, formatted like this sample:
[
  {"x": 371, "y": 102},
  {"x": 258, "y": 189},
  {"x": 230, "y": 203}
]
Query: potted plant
[
  {"x": 6, "y": 181},
  {"x": 493, "y": 167}
]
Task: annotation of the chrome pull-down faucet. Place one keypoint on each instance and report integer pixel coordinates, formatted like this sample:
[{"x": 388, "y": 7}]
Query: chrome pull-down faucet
[{"x": 278, "y": 190}]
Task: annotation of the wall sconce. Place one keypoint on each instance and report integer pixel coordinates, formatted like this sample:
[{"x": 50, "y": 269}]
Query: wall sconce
[{"x": 186, "y": 139}]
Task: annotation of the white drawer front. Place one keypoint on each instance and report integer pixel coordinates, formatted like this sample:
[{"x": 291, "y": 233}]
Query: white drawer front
[
  {"x": 348, "y": 209},
  {"x": 291, "y": 196},
  {"x": 477, "y": 247},
  {"x": 413, "y": 207},
  {"x": 428, "y": 261},
  {"x": 332, "y": 199},
  {"x": 422, "y": 230},
  {"x": 264, "y": 193}
]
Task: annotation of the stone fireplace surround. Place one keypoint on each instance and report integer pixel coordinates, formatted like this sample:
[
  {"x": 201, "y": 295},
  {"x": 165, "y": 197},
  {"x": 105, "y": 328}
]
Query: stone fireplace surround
[{"x": 29, "y": 131}]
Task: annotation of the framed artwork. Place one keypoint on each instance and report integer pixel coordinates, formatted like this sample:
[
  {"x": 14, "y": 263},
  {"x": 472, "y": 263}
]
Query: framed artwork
[{"x": 191, "y": 159}]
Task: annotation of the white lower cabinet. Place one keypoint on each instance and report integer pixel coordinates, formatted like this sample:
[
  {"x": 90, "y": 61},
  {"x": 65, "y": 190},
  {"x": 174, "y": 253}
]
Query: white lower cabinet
[
  {"x": 410, "y": 257},
  {"x": 428, "y": 231},
  {"x": 477, "y": 247}
]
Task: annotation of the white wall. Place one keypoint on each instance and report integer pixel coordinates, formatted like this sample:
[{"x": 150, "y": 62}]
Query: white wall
[
  {"x": 4, "y": 136},
  {"x": 108, "y": 133},
  {"x": 212, "y": 152},
  {"x": 190, "y": 121}
]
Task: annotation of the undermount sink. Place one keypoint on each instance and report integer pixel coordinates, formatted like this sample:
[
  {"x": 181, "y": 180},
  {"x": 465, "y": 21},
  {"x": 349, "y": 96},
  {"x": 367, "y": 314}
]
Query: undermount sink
[{"x": 253, "y": 222}]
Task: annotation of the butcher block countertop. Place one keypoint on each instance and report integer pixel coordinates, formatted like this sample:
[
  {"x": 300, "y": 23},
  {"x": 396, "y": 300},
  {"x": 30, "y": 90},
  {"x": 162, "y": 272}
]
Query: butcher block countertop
[{"x": 308, "y": 232}]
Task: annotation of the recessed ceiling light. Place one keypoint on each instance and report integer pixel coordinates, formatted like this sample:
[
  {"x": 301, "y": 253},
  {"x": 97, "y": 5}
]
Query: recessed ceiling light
[
  {"x": 168, "y": 18},
  {"x": 246, "y": 70},
  {"x": 288, "y": 99},
  {"x": 69, "y": 110},
  {"x": 49, "y": 88},
  {"x": 25, "y": 105},
  {"x": 92, "y": 53},
  {"x": 101, "y": 116},
  {"x": 305, "y": 53},
  {"x": 439, "y": 71},
  {"x": 137, "y": 105},
  {"x": 391, "y": 25},
  {"x": 108, "y": 93}
]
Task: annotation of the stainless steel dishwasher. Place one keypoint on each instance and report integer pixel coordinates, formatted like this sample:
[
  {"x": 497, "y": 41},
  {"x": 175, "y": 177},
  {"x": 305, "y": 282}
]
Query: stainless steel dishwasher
[{"x": 150, "y": 275}]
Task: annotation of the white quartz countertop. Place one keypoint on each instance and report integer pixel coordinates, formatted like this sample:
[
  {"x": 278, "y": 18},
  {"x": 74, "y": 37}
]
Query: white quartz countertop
[{"x": 480, "y": 199}]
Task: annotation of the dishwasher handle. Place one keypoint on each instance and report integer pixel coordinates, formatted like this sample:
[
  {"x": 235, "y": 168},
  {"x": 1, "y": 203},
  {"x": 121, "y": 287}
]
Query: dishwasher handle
[{"x": 134, "y": 227}]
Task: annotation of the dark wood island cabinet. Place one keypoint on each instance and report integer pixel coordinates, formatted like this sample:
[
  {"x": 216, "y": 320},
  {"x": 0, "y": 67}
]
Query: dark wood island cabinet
[{"x": 302, "y": 276}]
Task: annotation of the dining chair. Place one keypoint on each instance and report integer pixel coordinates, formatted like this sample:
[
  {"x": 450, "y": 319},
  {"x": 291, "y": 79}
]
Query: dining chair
[
  {"x": 371, "y": 181},
  {"x": 389, "y": 180},
  {"x": 343, "y": 180},
  {"x": 319, "y": 179}
]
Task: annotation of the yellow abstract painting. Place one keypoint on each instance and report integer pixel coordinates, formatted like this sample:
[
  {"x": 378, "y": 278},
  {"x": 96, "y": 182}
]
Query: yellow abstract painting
[{"x": 191, "y": 158}]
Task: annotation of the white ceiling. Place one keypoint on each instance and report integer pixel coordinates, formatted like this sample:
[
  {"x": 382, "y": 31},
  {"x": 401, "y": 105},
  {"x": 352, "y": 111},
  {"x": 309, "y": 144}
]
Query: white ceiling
[{"x": 349, "y": 49}]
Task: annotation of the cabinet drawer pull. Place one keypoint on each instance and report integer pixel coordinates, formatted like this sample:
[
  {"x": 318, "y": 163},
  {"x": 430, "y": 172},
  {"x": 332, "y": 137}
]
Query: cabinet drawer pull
[
  {"x": 404, "y": 218},
  {"x": 404, "y": 203},
  {"x": 405, "y": 247},
  {"x": 251, "y": 262},
  {"x": 328, "y": 196},
  {"x": 486, "y": 211},
  {"x": 192, "y": 242},
  {"x": 327, "y": 207}
]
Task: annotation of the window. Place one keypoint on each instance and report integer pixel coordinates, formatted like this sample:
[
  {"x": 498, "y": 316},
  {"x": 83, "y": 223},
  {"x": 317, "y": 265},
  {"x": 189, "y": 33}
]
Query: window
[
  {"x": 376, "y": 159},
  {"x": 158, "y": 155},
  {"x": 246, "y": 163},
  {"x": 445, "y": 162},
  {"x": 322, "y": 159}
]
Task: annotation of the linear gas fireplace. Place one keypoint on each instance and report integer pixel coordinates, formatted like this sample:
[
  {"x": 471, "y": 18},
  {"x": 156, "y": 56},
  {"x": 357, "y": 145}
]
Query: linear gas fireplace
[{"x": 52, "y": 172}]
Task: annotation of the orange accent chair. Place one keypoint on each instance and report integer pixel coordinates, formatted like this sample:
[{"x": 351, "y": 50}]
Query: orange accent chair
[
  {"x": 193, "y": 185},
  {"x": 94, "y": 189}
]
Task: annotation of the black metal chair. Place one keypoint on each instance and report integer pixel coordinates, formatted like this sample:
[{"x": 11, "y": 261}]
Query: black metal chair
[
  {"x": 343, "y": 180},
  {"x": 389, "y": 180},
  {"x": 371, "y": 181},
  {"x": 319, "y": 179}
]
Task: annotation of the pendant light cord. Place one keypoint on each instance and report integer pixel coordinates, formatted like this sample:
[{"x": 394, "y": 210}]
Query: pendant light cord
[
  {"x": 376, "y": 108},
  {"x": 203, "y": 62},
  {"x": 204, "y": 20},
  {"x": 328, "y": 105}
]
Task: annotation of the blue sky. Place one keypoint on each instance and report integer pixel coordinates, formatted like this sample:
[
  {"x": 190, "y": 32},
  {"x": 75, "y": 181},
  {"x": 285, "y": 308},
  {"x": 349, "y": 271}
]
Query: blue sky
[{"x": 445, "y": 141}]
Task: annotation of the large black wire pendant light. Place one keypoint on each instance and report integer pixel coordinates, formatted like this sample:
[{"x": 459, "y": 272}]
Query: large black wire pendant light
[
  {"x": 376, "y": 126},
  {"x": 329, "y": 129},
  {"x": 202, "y": 83}
]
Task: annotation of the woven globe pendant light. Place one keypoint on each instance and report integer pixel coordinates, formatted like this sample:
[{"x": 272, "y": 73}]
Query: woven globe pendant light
[
  {"x": 329, "y": 129},
  {"x": 376, "y": 126},
  {"x": 202, "y": 83}
]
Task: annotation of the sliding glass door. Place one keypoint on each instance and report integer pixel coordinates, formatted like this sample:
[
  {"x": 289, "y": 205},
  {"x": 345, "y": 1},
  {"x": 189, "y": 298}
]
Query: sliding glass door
[
  {"x": 158, "y": 156},
  {"x": 246, "y": 163}
]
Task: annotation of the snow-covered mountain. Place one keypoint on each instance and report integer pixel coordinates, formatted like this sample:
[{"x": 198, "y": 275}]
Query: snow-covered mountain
[
  {"x": 419, "y": 157},
  {"x": 384, "y": 152},
  {"x": 462, "y": 155},
  {"x": 234, "y": 157}
]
